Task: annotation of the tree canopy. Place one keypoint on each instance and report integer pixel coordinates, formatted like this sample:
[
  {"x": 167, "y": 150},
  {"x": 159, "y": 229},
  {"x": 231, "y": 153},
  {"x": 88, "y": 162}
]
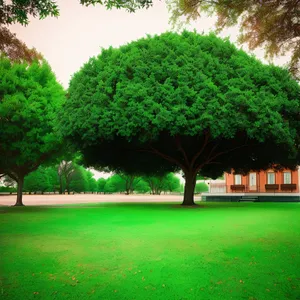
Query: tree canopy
[
  {"x": 30, "y": 98},
  {"x": 188, "y": 102},
  {"x": 271, "y": 24}
]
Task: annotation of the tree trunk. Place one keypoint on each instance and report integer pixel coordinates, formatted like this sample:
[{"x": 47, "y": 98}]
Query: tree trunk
[
  {"x": 20, "y": 191},
  {"x": 189, "y": 188},
  {"x": 60, "y": 185},
  {"x": 68, "y": 184}
]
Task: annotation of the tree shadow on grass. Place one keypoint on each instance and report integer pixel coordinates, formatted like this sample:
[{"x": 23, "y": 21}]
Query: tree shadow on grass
[{"x": 128, "y": 205}]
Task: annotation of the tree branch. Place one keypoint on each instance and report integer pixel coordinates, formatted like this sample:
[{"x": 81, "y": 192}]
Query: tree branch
[
  {"x": 195, "y": 157},
  {"x": 180, "y": 148},
  {"x": 165, "y": 156},
  {"x": 210, "y": 160}
]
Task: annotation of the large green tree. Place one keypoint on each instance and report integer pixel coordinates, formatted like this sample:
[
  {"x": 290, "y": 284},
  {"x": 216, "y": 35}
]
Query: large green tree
[
  {"x": 271, "y": 24},
  {"x": 30, "y": 98},
  {"x": 188, "y": 102}
]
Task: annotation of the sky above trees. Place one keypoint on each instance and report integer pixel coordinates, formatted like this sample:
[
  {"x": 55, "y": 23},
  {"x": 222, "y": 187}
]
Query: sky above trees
[{"x": 79, "y": 33}]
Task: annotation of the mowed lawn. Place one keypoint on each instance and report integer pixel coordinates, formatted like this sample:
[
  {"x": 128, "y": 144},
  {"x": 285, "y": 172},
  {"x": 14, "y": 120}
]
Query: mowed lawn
[{"x": 151, "y": 251}]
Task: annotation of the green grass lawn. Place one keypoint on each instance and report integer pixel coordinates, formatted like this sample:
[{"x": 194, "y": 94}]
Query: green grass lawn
[{"x": 151, "y": 251}]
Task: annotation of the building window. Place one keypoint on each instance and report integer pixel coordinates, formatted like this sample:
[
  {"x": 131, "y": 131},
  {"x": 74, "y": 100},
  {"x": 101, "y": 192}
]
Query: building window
[
  {"x": 237, "y": 179},
  {"x": 287, "y": 177},
  {"x": 271, "y": 178}
]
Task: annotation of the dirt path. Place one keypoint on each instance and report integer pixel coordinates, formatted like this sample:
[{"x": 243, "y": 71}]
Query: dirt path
[{"x": 87, "y": 198}]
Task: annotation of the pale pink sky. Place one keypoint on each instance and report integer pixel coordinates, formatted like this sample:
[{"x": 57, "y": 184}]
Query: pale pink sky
[{"x": 67, "y": 42}]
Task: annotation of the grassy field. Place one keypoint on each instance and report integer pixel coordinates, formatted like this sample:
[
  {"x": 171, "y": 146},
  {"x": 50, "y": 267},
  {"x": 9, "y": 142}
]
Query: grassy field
[{"x": 151, "y": 251}]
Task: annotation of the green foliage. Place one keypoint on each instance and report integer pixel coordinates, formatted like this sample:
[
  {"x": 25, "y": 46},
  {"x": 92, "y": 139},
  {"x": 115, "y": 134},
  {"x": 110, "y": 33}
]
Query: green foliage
[
  {"x": 188, "y": 102},
  {"x": 7, "y": 189},
  {"x": 115, "y": 184},
  {"x": 37, "y": 181},
  {"x": 79, "y": 180},
  {"x": 44, "y": 179},
  {"x": 51, "y": 174},
  {"x": 155, "y": 183},
  {"x": 171, "y": 183},
  {"x": 20, "y": 10},
  {"x": 164, "y": 183},
  {"x": 201, "y": 187},
  {"x": 142, "y": 187},
  {"x": 100, "y": 185},
  {"x": 92, "y": 183},
  {"x": 30, "y": 98}
]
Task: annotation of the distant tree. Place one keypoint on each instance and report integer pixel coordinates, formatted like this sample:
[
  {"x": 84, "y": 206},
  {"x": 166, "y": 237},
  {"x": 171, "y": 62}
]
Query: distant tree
[
  {"x": 100, "y": 185},
  {"x": 92, "y": 183},
  {"x": 37, "y": 181},
  {"x": 16, "y": 50},
  {"x": 7, "y": 189},
  {"x": 30, "y": 98},
  {"x": 162, "y": 183},
  {"x": 121, "y": 182},
  {"x": 130, "y": 181},
  {"x": 51, "y": 173},
  {"x": 114, "y": 184},
  {"x": 155, "y": 183},
  {"x": 79, "y": 181},
  {"x": 65, "y": 171},
  {"x": 171, "y": 183},
  {"x": 201, "y": 187},
  {"x": 142, "y": 187},
  {"x": 271, "y": 24},
  {"x": 189, "y": 102}
]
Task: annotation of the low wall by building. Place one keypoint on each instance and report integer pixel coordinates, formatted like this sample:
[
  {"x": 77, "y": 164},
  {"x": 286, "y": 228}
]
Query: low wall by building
[{"x": 259, "y": 197}]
